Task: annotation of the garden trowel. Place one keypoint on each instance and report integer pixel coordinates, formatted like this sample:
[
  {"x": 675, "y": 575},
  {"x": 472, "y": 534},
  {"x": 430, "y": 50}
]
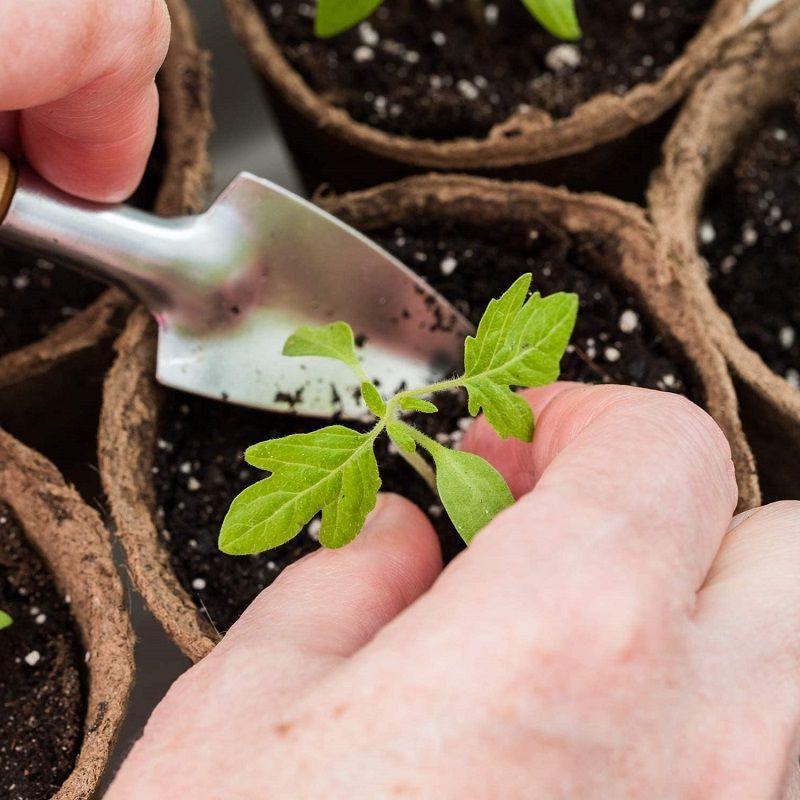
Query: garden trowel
[{"x": 228, "y": 287}]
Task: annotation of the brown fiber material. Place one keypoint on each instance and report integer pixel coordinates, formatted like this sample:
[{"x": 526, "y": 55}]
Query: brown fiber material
[
  {"x": 186, "y": 124},
  {"x": 757, "y": 72},
  {"x": 75, "y": 545},
  {"x": 521, "y": 139},
  {"x": 130, "y": 412}
]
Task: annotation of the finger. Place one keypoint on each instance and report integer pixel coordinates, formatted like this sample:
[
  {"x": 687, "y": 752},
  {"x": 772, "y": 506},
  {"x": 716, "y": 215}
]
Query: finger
[
  {"x": 751, "y": 598},
  {"x": 748, "y": 624},
  {"x": 627, "y": 478},
  {"x": 329, "y": 604},
  {"x": 635, "y": 491},
  {"x": 511, "y": 457},
  {"x": 84, "y": 75}
]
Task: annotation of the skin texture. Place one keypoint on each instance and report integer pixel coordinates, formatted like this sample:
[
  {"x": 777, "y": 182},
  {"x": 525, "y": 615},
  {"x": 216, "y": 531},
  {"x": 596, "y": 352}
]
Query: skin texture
[
  {"x": 77, "y": 90},
  {"x": 614, "y": 634}
]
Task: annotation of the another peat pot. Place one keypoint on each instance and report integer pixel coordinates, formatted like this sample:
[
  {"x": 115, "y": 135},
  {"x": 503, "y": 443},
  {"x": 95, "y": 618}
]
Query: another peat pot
[
  {"x": 727, "y": 204},
  {"x": 67, "y": 660},
  {"x": 171, "y": 463},
  {"x": 429, "y": 85},
  {"x": 52, "y": 320}
]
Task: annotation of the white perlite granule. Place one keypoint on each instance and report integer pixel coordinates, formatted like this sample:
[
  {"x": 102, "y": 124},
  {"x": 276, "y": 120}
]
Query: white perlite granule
[
  {"x": 786, "y": 337},
  {"x": 562, "y": 57},
  {"x": 467, "y": 89},
  {"x": 32, "y": 659},
  {"x": 448, "y": 265},
  {"x": 707, "y": 232},
  {"x": 363, "y": 54},
  {"x": 628, "y": 320}
]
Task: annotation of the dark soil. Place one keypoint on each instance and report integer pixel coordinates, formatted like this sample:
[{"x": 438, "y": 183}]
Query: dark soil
[
  {"x": 199, "y": 458},
  {"x": 750, "y": 236},
  {"x": 37, "y": 295},
  {"x": 42, "y": 687},
  {"x": 441, "y": 70}
]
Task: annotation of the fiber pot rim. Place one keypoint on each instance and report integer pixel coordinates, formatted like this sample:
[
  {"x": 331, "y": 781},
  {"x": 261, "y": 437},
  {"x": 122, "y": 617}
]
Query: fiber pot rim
[
  {"x": 186, "y": 125},
  {"x": 760, "y": 68},
  {"x": 129, "y": 418},
  {"x": 528, "y": 138},
  {"x": 76, "y": 547}
]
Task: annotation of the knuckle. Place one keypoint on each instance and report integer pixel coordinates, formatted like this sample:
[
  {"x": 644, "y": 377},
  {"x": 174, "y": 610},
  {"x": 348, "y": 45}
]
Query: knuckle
[
  {"x": 599, "y": 627},
  {"x": 697, "y": 440}
]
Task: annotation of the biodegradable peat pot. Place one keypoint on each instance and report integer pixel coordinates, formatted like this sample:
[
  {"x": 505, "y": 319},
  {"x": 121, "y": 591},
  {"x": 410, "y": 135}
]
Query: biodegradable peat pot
[
  {"x": 67, "y": 665},
  {"x": 171, "y": 463},
  {"x": 35, "y": 368},
  {"x": 727, "y": 204},
  {"x": 338, "y": 109}
]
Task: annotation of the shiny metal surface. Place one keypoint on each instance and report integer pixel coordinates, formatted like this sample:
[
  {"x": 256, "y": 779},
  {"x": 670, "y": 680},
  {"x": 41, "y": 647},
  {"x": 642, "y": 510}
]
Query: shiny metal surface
[{"x": 229, "y": 286}]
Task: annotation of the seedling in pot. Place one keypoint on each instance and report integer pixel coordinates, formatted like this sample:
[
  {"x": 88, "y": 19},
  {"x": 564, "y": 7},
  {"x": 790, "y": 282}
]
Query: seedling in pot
[
  {"x": 5, "y": 620},
  {"x": 519, "y": 343},
  {"x": 335, "y": 16}
]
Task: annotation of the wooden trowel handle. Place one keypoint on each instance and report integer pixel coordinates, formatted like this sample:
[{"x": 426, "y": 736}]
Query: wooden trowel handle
[{"x": 8, "y": 183}]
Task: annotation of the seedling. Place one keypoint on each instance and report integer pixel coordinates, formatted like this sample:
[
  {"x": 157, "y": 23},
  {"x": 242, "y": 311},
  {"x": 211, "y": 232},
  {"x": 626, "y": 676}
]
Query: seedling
[
  {"x": 5, "y": 620},
  {"x": 519, "y": 343},
  {"x": 335, "y": 16}
]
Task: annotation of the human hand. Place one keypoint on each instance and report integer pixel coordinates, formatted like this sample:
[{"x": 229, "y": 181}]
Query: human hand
[
  {"x": 77, "y": 90},
  {"x": 615, "y": 633}
]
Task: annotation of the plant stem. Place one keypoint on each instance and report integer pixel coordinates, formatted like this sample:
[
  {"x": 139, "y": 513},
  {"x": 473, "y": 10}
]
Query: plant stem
[
  {"x": 421, "y": 466},
  {"x": 441, "y": 386}
]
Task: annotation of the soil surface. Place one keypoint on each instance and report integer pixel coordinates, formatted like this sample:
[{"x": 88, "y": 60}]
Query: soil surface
[
  {"x": 750, "y": 235},
  {"x": 42, "y": 687},
  {"x": 199, "y": 463},
  {"x": 37, "y": 295},
  {"x": 451, "y": 68}
]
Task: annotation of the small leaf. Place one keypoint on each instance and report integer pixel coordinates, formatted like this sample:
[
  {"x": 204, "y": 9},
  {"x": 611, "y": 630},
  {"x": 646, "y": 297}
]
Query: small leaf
[
  {"x": 417, "y": 404},
  {"x": 556, "y": 16},
  {"x": 5, "y": 620},
  {"x": 332, "y": 469},
  {"x": 372, "y": 398},
  {"x": 335, "y": 16},
  {"x": 519, "y": 342},
  {"x": 327, "y": 341},
  {"x": 472, "y": 491},
  {"x": 398, "y": 433}
]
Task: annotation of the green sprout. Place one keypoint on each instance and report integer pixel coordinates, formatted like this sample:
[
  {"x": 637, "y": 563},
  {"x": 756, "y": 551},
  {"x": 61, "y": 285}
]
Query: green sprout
[
  {"x": 336, "y": 16},
  {"x": 519, "y": 343},
  {"x": 5, "y": 620}
]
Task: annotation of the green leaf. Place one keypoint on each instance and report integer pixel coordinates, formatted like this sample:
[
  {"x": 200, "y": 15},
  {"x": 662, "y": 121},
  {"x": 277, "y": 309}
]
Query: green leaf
[
  {"x": 373, "y": 399},
  {"x": 472, "y": 491},
  {"x": 398, "y": 433},
  {"x": 343, "y": 519},
  {"x": 332, "y": 469},
  {"x": 327, "y": 341},
  {"x": 5, "y": 620},
  {"x": 519, "y": 342},
  {"x": 556, "y": 16},
  {"x": 417, "y": 404},
  {"x": 335, "y": 16}
]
